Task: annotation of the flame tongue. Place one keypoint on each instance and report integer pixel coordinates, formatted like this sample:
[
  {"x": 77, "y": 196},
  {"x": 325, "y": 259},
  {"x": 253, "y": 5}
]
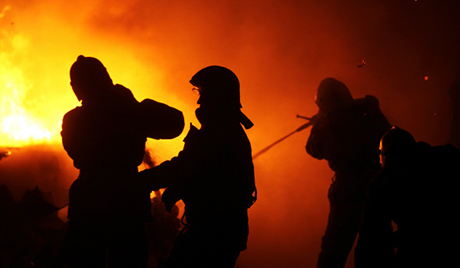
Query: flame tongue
[
  {"x": 17, "y": 126},
  {"x": 38, "y": 44}
]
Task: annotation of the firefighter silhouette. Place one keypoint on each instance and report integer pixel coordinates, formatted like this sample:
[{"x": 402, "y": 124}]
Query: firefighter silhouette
[
  {"x": 346, "y": 133},
  {"x": 414, "y": 189},
  {"x": 105, "y": 137},
  {"x": 213, "y": 175}
]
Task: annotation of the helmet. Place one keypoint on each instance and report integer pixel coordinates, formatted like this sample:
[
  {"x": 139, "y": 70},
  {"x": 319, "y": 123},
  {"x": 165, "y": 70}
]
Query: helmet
[
  {"x": 219, "y": 90},
  {"x": 396, "y": 143},
  {"x": 88, "y": 76},
  {"x": 217, "y": 85},
  {"x": 332, "y": 94}
]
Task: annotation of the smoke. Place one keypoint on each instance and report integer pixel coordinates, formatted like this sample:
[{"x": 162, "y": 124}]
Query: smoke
[
  {"x": 45, "y": 166},
  {"x": 280, "y": 50}
]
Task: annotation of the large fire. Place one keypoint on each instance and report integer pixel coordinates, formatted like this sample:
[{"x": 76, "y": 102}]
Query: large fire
[
  {"x": 18, "y": 125},
  {"x": 280, "y": 50},
  {"x": 34, "y": 83},
  {"x": 37, "y": 47},
  {"x": 27, "y": 113}
]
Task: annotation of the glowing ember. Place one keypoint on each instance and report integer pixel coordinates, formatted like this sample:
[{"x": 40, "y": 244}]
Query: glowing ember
[
  {"x": 426, "y": 78},
  {"x": 361, "y": 64}
]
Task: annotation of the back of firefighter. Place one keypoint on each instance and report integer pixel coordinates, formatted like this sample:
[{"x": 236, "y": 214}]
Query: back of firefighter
[
  {"x": 346, "y": 133},
  {"x": 106, "y": 138}
]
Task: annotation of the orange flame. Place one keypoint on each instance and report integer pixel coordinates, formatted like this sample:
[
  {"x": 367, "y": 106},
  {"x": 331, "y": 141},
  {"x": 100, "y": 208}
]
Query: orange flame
[
  {"x": 18, "y": 125},
  {"x": 34, "y": 80}
]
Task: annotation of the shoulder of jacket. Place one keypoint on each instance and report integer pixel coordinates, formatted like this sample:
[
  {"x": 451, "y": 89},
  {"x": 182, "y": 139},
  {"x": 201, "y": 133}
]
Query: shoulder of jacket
[
  {"x": 74, "y": 112},
  {"x": 124, "y": 92},
  {"x": 372, "y": 100}
]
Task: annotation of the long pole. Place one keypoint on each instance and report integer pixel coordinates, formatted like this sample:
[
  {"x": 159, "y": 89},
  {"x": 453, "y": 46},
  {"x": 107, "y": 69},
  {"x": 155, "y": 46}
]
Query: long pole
[{"x": 302, "y": 127}]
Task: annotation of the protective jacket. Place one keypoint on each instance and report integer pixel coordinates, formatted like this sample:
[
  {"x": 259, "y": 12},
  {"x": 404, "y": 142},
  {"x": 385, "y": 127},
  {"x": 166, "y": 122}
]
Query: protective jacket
[
  {"x": 107, "y": 143},
  {"x": 214, "y": 176},
  {"x": 348, "y": 138}
]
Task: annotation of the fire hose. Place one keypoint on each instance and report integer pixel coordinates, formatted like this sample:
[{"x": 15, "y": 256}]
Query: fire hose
[{"x": 310, "y": 122}]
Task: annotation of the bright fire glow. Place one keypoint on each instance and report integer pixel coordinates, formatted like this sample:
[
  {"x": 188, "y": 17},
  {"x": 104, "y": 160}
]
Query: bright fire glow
[
  {"x": 18, "y": 126},
  {"x": 37, "y": 49}
]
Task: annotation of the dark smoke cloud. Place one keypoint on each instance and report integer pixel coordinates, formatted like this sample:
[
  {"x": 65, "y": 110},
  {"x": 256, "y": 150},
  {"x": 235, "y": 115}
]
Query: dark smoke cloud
[{"x": 281, "y": 50}]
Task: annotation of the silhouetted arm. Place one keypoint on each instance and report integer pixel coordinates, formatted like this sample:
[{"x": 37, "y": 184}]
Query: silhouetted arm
[
  {"x": 321, "y": 141},
  {"x": 156, "y": 120},
  {"x": 175, "y": 173},
  {"x": 160, "y": 121},
  {"x": 79, "y": 145},
  {"x": 163, "y": 175},
  {"x": 176, "y": 169}
]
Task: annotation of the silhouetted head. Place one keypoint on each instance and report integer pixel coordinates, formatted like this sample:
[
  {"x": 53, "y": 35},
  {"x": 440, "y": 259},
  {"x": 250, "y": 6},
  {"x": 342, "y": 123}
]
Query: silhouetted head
[
  {"x": 395, "y": 145},
  {"x": 89, "y": 78},
  {"x": 219, "y": 90},
  {"x": 332, "y": 94},
  {"x": 218, "y": 86}
]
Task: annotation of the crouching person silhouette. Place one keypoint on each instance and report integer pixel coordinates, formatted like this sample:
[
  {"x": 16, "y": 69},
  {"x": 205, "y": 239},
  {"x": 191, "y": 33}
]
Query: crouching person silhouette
[
  {"x": 106, "y": 138},
  {"x": 213, "y": 175}
]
